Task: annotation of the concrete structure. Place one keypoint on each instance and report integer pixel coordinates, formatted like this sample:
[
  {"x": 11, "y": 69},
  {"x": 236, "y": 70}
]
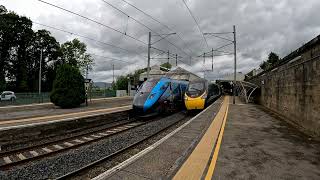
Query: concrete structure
[
  {"x": 155, "y": 72},
  {"x": 182, "y": 74},
  {"x": 230, "y": 77},
  {"x": 292, "y": 89}
]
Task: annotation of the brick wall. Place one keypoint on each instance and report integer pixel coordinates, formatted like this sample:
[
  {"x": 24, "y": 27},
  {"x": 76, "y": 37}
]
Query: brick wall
[{"x": 293, "y": 89}]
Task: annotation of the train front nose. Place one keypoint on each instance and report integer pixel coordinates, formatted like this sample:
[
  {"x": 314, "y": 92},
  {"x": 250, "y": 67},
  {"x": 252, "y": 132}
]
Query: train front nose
[{"x": 138, "y": 102}]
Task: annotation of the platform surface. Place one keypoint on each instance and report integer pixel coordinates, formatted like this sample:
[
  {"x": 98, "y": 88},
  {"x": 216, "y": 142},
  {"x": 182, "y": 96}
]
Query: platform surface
[
  {"x": 255, "y": 144},
  {"x": 258, "y": 145}
]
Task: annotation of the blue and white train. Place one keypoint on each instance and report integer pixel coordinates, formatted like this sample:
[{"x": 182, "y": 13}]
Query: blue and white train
[{"x": 159, "y": 95}]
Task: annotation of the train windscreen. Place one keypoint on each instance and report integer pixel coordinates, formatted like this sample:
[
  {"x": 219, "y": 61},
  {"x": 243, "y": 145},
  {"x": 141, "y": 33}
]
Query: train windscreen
[
  {"x": 196, "y": 89},
  {"x": 147, "y": 86}
]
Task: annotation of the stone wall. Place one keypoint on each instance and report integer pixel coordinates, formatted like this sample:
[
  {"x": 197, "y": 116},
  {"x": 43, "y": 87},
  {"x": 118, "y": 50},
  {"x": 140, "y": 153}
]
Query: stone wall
[{"x": 293, "y": 89}]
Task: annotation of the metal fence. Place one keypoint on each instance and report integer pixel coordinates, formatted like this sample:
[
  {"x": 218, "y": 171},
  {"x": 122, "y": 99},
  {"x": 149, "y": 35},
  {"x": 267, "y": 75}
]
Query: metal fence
[{"x": 28, "y": 98}]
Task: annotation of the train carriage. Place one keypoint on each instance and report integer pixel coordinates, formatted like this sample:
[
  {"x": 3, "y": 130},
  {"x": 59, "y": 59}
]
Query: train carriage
[
  {"x": 201, "y": 93},
  {"x": 159, "y": 95}
]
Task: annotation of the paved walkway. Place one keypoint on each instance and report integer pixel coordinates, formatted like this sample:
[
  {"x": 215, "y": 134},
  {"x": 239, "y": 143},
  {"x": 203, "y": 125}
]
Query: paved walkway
[{"x": 257, "y": 145}]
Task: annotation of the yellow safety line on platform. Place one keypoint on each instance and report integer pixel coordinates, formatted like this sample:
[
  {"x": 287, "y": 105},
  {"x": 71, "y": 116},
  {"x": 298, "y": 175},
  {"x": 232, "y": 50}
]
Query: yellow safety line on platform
[
  {"x": 62, "y": 115},
  {"x": 194, "y": 167},
  {"x": 216, "y": 151}
]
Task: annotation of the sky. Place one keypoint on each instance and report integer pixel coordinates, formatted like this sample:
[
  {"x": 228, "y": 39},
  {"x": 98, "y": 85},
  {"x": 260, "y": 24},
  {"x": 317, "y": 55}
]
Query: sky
[{"x": 262, "y": 26}]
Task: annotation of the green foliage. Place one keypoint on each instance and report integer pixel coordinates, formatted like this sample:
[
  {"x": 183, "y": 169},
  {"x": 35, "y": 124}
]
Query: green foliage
[
  {"x": 122, "y": 83},
  {"x": 166, "y": 65},
  {"x": 3, "y": 9},
  {"x": 20, "y": 49},
  {"x": 74, "y": 54},
  {"x": 68, "y": 87},
  {"x": 272, "y": 60}
]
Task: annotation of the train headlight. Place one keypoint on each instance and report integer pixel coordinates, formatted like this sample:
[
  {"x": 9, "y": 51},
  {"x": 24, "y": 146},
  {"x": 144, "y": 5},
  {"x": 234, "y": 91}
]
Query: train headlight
[
  {"x": 152, "y": 96},
  {"x": 185, "y": 97}
]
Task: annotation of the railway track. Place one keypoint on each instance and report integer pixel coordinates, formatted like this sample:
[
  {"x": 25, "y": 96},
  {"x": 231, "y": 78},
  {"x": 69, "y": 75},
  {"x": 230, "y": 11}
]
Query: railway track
[
  {"x": 17, "y": 157},
  {"x": 87, "y": 167}
]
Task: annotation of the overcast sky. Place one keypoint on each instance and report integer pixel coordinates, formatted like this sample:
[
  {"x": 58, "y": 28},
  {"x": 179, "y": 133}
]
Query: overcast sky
[{"x": 262, "y": 26}]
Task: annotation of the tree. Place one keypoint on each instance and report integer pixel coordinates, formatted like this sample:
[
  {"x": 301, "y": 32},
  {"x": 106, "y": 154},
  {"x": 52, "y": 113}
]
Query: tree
[
  {"x": 272, "y": 60},
  {"x": 166, "y": 65},
  {"x": 51, "y": 55},
  {"x": 68, "y": 87},
  {"x": 122, "y": 83},
  {"x": 74, "y": 54},
  {"x": 15, "y": 38},
  {"x": 3, "y": 9}
]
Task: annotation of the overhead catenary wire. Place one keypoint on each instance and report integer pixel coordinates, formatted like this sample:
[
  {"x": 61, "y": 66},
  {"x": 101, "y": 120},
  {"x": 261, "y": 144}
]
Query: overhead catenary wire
[
  {"x": 92, "y": 20},
  {"x": 195, "y": 20},
  {"x": 111, "y": 58},
  {"x": 89, "y": 38},
  {"x": 147, "y": 27},
  {"x": 156, "y": 20}
]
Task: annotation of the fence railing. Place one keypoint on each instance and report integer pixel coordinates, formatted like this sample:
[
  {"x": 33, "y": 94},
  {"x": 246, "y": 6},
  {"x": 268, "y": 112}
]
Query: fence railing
[{"x": 30, "y": 98}]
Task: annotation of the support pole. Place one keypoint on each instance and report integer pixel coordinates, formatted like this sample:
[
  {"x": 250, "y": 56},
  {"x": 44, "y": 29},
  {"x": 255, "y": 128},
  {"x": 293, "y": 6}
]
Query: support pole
[
  {"x": 176, "y": 59},
  {"x": 235, "y": 64},
  {"x": 149, "y": 47},
  {"x": 168, "y": 58},
  {"x": 204, "y": 62},
  {"x": 40, "y": 76},
  {"x": 212, "y": 59},
  {"x": 113, "y": 73}
]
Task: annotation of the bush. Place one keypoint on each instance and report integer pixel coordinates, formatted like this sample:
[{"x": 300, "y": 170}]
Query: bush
[{"x": 68, "y": 88}]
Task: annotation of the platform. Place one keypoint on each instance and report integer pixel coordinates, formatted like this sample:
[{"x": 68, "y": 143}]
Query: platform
[
  {"x": 11, "y": 114},
  {"x": 226, "y": 141}
]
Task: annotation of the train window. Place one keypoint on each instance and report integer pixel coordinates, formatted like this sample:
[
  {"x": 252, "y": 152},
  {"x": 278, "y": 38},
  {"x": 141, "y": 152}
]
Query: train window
[
  {"x": 165, "y": 86},
  {"x": 197, "y": 87},
  {"x": 148, "y": 85}
]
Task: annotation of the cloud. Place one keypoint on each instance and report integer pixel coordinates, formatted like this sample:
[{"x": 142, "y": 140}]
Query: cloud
[{"x": 262, "y": 26}]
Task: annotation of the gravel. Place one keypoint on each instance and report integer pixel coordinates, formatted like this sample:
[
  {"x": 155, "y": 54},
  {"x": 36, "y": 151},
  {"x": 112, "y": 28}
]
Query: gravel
[{"x": 53, "y": 167}]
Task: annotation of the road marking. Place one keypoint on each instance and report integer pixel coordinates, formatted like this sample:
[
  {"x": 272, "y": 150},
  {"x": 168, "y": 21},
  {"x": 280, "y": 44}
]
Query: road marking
[
  {"x": 78, "y": 141},
  {"x": 68, "y": 144},
  {"x": 216, "y": 151},
  {"x": 87, "y": 138},
  {"x": 21, "y": 156},
  {"x": 146, "y": 150},
  {"x": 34, "y": 153},
  {"x": 57, "y": 146},
  {"x": 195, "y": 165},
  {"x": 47, "y": 150},
  {"x": 7, "y": 160}
]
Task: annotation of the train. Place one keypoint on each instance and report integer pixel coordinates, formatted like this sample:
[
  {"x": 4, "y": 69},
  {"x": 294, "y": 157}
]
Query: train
[
  {"x": 200, "y": 94},
  {"x": 159, "y": 95}
]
